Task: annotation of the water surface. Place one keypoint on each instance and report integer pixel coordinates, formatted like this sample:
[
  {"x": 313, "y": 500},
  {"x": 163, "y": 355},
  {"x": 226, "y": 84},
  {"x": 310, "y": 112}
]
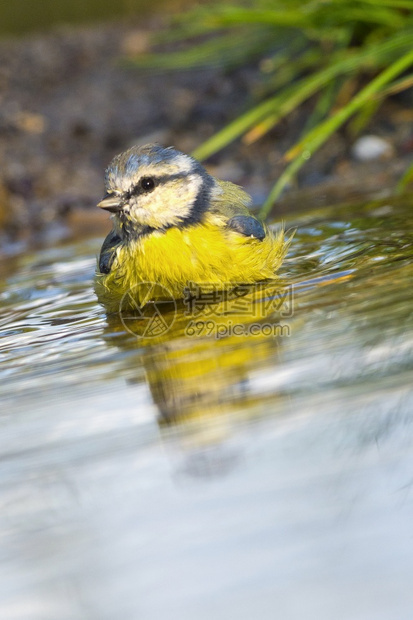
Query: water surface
[{"x": 186, "y": 475}]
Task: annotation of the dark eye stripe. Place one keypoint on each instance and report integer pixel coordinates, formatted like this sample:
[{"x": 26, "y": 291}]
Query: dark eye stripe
[{"x": 138, "y": 190}]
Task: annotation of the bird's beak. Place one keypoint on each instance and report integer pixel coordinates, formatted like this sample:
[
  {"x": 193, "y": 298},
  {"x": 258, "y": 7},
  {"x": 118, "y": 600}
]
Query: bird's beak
[{"x": 111, "y": 203}]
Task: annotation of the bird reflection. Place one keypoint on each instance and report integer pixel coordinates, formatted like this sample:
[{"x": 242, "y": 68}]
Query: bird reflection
[{"x": 200, "y": 356}]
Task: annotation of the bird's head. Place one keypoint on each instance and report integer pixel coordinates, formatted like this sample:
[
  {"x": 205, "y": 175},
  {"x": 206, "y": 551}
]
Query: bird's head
[{"x": 153, "y": 188}]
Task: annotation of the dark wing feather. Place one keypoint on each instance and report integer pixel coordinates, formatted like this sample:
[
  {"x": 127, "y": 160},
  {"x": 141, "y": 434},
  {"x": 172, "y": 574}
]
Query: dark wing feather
[
  {"x": 247, "y": 225},
  {"x": 107, "y": 253},
  {"x": 231, "y": 207}
]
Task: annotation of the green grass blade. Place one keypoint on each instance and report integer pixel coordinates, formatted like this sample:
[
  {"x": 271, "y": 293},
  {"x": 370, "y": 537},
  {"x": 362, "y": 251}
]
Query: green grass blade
[
  {"x": 226, "y": 50},
  {"x": 362, "y": 118},
  {"x": 282, "y": 104},
  {"x": 229, "y": 16},
  {"x": 386, "y": 17},
  {"x": 301, "y": 152},
  {"x": 394, "y": 4},
  {"x": 406, "y": 179},
  {"x": 397, "y": 87}
]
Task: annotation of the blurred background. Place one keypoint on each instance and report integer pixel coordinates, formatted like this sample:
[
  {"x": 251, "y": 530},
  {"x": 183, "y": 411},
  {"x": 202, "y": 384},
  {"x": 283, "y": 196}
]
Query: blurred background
[
  {"x": 273, "y": 93},
  {"x": 187, "y": 475}
]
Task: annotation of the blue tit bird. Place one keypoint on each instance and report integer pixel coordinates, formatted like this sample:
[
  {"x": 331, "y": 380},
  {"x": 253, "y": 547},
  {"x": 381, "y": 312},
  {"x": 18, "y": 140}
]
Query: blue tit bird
[{"x": 174, "y": 224}]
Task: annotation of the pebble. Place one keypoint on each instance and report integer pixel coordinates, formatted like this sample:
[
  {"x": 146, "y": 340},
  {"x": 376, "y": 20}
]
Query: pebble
[{"x": 370, "y": 148}]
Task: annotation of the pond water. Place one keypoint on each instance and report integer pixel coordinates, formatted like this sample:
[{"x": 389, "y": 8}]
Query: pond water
[{"x": 201, "y": 474}]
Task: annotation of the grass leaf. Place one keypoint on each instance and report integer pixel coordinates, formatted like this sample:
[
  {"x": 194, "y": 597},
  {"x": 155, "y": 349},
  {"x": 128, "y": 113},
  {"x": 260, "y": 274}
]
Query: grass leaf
[
  {"x": 349, "y": 55},
  {"x": 301, "y": 152}
]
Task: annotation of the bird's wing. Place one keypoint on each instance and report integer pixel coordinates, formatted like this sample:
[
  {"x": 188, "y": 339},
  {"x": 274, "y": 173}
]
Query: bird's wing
[
  {"x": 229, "y": 206},
  {"x": 247, "y": 225},
  {"x": 107, "y": 253}
]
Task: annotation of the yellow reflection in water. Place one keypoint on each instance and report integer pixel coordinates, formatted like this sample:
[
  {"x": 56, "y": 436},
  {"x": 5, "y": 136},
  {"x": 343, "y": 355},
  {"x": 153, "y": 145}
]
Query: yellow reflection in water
[{"x": 199, "y": 359}]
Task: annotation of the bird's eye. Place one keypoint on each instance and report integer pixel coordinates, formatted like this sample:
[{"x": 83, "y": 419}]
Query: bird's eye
[{"x": 147, "y": 184}]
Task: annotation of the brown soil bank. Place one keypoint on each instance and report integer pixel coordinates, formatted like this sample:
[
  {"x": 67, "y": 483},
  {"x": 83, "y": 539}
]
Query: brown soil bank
[{"x": 67, "y": 106}]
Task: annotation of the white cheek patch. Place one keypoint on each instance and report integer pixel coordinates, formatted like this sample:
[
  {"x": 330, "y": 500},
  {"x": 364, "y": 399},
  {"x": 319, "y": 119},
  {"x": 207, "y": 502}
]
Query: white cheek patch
[
  {"x": 190, "y": 190},
  {"x": 169, "y": 203},
  {"x": 183, "y": 163}
]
